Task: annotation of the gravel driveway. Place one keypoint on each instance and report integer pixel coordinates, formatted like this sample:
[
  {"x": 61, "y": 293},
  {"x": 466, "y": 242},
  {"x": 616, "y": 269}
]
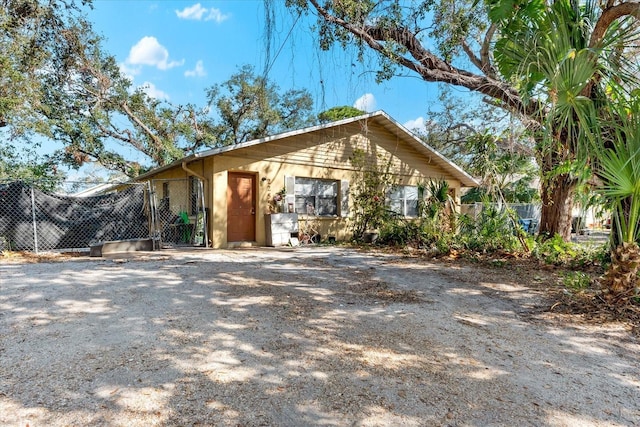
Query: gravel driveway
[{"x": 321, "y": 336}]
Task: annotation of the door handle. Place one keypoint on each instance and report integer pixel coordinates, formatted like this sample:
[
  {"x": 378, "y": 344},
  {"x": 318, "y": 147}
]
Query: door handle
[{"x": 253, "y": 211}]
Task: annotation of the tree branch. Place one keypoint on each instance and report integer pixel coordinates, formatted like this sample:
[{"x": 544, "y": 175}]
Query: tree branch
[
  {"x": 460, "y": 126},
  {"x": 472, "y": 56},
  {"x": 430, "y": 67},
  {"x": 611, "y": 14},
  {"x": 136, "y": 120},
  {"x": 487, "y": 67}
]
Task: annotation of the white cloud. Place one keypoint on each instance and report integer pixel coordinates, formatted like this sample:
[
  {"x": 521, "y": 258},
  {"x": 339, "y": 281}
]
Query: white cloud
[
  {"x": 199, "y": 13},
  {"x": 149, "y": 52},
  {"x": 195, "y": 12},
  {"x": 416, "y": 124},
  {"x": 217, "y": 15},
  {"x": 151, "y": 90},
  {"x": 199, "y": 71},
  {"x": 366, "y": 102}
]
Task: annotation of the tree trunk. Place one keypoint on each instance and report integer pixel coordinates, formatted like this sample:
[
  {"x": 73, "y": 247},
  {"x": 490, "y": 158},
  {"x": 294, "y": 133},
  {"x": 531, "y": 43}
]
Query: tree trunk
[
  {"x": 616, "y": 240},
  {"x": 557, "y": 204},
  {"x": 621, "y": 278}
]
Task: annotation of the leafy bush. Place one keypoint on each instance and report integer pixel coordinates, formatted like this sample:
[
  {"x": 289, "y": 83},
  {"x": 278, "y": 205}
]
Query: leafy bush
[
  {"x": 558, "y": 252},
  {"x": 555, "y": 251},
  {"x": 399, "y": 232},
  {"x": 438, "y": 237},
  {"x": 576, "y": 280},
  {"x": 369, "y": 194},
  {"x": 492, "y": 231},
  {"x": 425, "y": 233}
]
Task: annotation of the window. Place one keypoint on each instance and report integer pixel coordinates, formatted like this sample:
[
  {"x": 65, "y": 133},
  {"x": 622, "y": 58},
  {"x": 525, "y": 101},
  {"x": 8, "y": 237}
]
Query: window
[
  {"x": 403, "y": 200},
  {"x": 316, "y": 196}
]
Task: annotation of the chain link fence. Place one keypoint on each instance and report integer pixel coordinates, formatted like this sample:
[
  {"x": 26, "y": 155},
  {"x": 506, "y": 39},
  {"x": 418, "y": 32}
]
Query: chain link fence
[
  {"x": 180, "y": 212},
  {"x": 70, "y": 217}
]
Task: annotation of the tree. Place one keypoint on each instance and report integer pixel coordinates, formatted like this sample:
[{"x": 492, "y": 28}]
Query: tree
[
  {"x": 339, "y": 113},
  {"x": 104, "y": 112},
  {"x": 28, "y": 166},
  {"x": 466, "y": 34},
  {"x": 31, "y": 34},
  {"x": 72, "y": 92},
  {"x": 60, "y": 84},
  {"x": 504, "y": 174},
  {"x": 499, "y": 154},
  {"x": 551, "y": 54},
  {"x": 249, "y": 106},
  {"x": 619, "y": 167}
]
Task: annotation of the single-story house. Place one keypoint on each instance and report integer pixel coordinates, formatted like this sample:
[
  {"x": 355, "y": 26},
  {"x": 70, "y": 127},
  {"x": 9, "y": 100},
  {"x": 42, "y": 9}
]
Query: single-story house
[{"x": 307, "y": 171}]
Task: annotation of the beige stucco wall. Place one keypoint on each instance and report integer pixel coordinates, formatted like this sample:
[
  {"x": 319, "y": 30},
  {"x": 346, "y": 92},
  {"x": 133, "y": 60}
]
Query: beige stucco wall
[
  {"x": 321, "y": 154},
  {"x": 274, "y": 179}
]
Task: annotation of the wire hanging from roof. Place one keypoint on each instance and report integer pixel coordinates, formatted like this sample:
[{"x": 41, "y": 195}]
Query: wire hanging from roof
[{"x": 270, "y": 19}]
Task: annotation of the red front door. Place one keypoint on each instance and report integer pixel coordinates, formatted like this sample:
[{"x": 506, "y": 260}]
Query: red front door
[{"x": 241, "y": 207}]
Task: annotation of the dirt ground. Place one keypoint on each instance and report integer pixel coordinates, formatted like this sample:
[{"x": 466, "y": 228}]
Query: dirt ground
[{"x": 318, "y": 336}]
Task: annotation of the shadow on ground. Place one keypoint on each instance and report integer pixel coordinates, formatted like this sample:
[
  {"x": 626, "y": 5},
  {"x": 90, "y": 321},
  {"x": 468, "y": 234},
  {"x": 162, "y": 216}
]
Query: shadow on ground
[{"x": 318, "y": 337}]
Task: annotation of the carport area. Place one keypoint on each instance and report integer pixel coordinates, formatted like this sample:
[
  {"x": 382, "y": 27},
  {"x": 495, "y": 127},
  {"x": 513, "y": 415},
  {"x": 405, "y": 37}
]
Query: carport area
[{"x": 313, "y": 336}]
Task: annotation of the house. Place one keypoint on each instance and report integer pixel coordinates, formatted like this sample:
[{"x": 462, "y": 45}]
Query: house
[{"x": 307, "y": 171}]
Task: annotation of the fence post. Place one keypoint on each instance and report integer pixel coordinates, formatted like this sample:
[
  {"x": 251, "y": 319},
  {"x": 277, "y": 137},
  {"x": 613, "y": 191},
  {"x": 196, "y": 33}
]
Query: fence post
[
  {"x": 204, "y": 213},
  {"x": 154, "y": 232},
  {"x": 33, "y": 216}
]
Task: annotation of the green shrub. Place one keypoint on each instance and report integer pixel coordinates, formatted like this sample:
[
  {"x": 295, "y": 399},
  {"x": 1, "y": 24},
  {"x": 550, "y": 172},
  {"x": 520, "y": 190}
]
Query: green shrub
[
  {"x": 576, "y": 280},
  {"x": 555, "y": 251},
  {"x": 492, "y": 231},
  {"x": 558, "y": 252},
  {"x": 399, "y": 232}
]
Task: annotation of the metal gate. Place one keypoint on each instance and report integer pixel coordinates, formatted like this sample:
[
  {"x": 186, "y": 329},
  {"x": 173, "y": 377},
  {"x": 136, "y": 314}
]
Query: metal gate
[{"x": 180, "y": 214}]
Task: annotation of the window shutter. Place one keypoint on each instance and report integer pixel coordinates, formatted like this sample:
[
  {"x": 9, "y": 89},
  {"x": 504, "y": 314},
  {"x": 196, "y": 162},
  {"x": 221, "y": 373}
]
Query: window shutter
[
  {"x": 344, "y": 198},
  {"x": 290, "y": 189}
]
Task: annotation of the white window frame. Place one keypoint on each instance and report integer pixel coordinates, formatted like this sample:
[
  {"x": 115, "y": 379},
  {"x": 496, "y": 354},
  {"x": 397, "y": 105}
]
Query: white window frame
[
  {"x": 408, "y": 201},
  {"x": 319, "y": 187}
]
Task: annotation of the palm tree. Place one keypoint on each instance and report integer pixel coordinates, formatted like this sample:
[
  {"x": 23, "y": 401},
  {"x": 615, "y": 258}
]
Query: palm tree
[
  {"x": 566, "y": 55},
  {"x": 584, "y": 77},
  {"x": 618, "y": 165}
]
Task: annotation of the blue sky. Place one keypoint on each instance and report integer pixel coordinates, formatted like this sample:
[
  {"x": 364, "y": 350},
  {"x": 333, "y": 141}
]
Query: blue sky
[{"x": 177, "y": 49}]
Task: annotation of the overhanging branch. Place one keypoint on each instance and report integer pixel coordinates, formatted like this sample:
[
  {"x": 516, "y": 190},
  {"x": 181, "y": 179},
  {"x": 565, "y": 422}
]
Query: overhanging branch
[
  {"x": 430, "y": 67},
  {"x": 610, "y": 15}
]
